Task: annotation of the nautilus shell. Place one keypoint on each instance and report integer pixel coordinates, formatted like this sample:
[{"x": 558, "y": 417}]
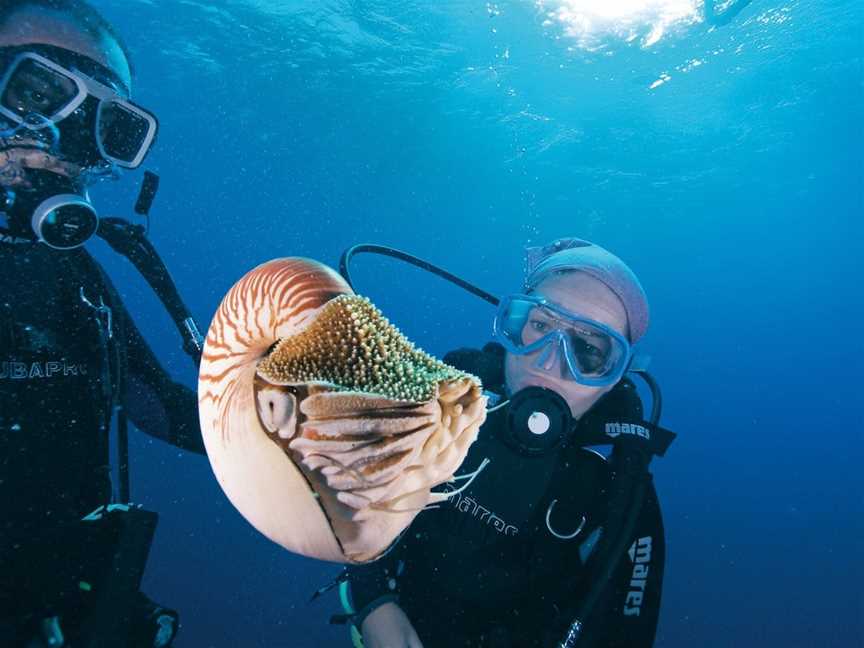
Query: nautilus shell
[{"x": 325, "y": 427}]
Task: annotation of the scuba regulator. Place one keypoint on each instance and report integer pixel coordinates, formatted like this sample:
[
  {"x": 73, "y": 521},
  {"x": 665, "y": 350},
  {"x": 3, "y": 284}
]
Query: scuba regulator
[{"x": 52, "y": 209}]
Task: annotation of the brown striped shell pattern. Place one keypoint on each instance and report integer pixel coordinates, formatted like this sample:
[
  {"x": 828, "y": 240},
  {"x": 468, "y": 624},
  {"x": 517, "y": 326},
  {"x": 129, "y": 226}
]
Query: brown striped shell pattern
[{"x": 325, "y": 427}]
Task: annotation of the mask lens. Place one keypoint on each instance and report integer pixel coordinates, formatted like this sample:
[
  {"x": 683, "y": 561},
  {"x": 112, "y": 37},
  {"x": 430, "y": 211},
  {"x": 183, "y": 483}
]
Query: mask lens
[
  {"x": 594, "y": 351},
  {"x": 514, "y": 322},
  {"x": 123, "y": 131},
  {"x": 36, "y": 88}
]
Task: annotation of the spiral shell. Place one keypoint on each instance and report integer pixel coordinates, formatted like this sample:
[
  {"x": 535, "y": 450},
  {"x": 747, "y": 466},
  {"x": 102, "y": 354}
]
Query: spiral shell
[{"x": 324, "y": 426}]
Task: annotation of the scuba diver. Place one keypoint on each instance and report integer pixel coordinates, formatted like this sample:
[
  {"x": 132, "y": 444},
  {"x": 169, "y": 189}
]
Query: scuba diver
[
  {"x": 552, "y": 543},
  {"x": 72, "y": 358}
]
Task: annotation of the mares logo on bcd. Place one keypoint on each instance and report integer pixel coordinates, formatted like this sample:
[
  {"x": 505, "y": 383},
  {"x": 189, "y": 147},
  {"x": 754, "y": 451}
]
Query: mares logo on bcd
[
  {"x": 640, "y": 556},
  {"x": 614, "y": 430}
]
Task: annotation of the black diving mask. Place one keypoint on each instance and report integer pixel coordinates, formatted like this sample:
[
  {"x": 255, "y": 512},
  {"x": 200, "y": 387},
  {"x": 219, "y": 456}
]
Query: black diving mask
[{"x": 77, "y": 105}]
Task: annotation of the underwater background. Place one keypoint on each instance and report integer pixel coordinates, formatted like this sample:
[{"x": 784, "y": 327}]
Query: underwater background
[{"x": 723, "y": 163}]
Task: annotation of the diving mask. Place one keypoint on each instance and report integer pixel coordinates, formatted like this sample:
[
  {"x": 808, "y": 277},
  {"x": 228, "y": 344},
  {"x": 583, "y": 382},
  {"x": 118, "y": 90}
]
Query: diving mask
[
  {"x": 93, "y": 119},
  {"x": 589, "y": 352}
]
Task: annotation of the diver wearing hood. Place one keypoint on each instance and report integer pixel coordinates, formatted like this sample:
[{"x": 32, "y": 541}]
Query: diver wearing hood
[
  {"x": 70, "y": 355},
  {"x": 547, "y": 546}
]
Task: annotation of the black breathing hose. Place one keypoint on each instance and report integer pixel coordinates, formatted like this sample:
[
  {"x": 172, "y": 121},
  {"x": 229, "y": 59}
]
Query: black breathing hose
[
  {"x": 383, "y": 250},
  {"x": 656, "y": 395},
  {"x": 131, "y": 241}
]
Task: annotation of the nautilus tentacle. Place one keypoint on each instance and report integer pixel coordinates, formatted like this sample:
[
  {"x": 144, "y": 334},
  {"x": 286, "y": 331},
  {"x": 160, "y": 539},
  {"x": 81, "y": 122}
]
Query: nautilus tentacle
[{"x": 325, "y": 427}]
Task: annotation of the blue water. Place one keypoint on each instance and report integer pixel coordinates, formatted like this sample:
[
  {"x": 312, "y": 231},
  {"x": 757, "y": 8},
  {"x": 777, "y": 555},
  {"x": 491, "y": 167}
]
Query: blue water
[{"x": 725, "y": 165}]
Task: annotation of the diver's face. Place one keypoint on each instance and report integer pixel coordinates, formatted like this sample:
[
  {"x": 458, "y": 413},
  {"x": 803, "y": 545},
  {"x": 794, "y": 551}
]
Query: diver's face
[
  {"x": 584, "y": 295},
  {"x": 36, "y": 25}
]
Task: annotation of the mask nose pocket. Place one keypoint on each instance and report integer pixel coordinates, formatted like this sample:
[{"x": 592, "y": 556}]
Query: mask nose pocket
[
  {"x": 552, "y": 352},
  {"x": 545, "y": 356}
]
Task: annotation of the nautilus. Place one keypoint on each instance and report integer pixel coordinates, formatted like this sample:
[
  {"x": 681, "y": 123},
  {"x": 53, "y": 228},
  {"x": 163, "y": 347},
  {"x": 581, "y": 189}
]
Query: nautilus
[{"x": 325, "y": 427}]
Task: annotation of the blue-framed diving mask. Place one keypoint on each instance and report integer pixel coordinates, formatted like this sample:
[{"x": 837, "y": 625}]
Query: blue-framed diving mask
[{"x": 589, "y": 352}]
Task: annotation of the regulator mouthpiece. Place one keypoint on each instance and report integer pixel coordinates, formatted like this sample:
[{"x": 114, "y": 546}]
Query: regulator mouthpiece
[
  {"x": 51, "y": 209},
  {"x": 65, "y": 221}
]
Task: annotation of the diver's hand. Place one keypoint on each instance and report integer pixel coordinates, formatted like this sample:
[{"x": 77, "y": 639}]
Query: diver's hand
[{"x": 388, "y": 627}]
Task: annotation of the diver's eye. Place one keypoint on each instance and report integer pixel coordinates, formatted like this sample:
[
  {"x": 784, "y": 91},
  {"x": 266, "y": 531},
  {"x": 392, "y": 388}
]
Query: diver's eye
[
  {"x": 538, "y": 325},
  {"x": 592, "y": 351},
  {"x": 33, "y": 100}
]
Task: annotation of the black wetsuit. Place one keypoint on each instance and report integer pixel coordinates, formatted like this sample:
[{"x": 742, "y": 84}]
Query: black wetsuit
[
  {"x": 59, "y": 376},
  {"x": 485, "y": 570}
]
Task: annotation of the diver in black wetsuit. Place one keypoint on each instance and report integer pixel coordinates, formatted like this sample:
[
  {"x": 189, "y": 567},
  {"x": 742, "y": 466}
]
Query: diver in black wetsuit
[
  {"x": 511, "y": 559},
  {"x": 70, "y": 354}
]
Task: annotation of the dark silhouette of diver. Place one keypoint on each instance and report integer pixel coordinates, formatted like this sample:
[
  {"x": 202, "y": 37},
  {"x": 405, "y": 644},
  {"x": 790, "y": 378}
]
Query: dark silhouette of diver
[{"x": 71, "y": 357}]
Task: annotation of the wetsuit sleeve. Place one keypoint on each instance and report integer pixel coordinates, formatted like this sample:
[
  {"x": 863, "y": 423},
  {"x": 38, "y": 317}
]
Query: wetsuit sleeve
[
  {"x": 155, "y": 404},
  {"x": 376, "y": 583}
]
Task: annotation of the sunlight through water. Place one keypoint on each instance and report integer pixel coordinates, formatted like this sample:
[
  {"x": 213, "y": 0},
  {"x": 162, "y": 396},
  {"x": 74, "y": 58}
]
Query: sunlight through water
[{"x": 591, "y": 23}]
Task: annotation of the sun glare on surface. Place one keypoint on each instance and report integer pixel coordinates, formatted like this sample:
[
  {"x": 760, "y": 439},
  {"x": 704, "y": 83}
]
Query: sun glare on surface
[{"x": 591, "y": 22}]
